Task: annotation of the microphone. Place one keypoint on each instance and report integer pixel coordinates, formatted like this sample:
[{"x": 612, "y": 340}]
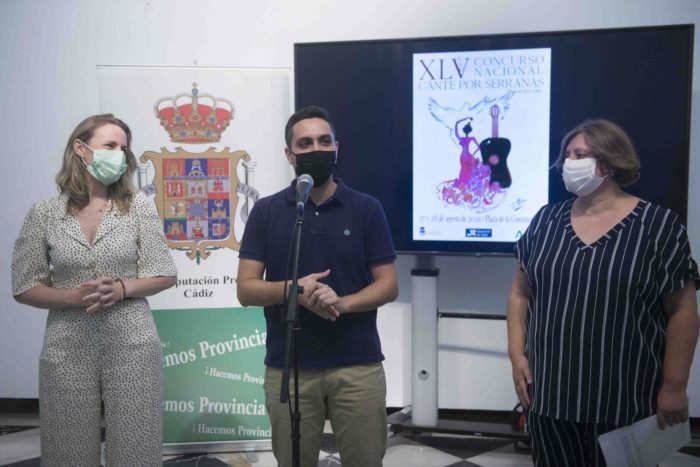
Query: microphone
[{"x": 304, "y": 184}]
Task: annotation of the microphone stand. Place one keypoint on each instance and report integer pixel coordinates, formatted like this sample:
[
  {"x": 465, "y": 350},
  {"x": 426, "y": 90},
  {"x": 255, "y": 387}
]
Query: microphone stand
[{"x": 291, "y": 340}]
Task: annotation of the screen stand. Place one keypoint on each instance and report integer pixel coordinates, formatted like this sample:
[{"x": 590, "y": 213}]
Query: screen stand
[
  {"x": 424, "y": 416},
  {"x": 424, "y": 316}
]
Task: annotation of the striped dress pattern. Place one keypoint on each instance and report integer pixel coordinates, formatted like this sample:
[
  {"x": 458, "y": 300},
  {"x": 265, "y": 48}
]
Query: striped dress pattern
[{"x": 596, "y": 328}]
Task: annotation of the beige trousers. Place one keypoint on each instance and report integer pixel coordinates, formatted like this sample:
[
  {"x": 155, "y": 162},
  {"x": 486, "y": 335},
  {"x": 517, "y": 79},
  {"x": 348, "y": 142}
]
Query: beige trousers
[
  {"x": 353, "y": 397},
  {"x": 114, "y": 357}
]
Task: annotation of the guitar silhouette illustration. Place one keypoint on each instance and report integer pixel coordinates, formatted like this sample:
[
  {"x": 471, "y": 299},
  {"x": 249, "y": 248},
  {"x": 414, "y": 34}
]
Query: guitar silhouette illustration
[{"x": 494, "y": 152}]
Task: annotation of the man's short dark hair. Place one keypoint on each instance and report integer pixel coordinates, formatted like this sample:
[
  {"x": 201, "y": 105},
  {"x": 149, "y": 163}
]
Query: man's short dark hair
[{"x": 311, "y": 111}]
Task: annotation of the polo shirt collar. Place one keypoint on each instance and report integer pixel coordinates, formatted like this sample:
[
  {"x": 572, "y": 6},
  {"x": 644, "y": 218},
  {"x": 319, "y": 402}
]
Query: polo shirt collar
[{"x": 342, "y": 192}]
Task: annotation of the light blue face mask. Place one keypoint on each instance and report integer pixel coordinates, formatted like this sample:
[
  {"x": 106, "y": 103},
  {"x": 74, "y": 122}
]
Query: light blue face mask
[{"x": 107, "y": 165}]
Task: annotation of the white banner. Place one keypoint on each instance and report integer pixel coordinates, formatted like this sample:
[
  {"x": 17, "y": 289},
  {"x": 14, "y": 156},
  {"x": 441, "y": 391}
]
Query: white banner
[{"x": 209, "y": 142}]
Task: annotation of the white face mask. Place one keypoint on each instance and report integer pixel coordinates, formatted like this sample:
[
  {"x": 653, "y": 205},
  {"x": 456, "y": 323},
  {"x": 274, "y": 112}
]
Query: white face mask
[{"x": 580, "y": 177}]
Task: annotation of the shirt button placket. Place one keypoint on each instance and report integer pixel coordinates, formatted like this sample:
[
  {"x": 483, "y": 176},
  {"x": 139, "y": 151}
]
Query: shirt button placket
[
  {"x": 93, "y": 263},
  {"x": 315, "y": 222}
]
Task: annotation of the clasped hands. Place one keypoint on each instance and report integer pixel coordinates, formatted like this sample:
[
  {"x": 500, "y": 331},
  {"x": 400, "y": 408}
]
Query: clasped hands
[
  {"x": 319, "y": 297},
  {"x": 99, "y": 293}
]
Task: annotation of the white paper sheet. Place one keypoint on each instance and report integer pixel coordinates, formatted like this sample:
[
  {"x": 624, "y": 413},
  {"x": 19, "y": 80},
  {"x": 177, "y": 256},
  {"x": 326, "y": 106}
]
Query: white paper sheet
[{"x": 643, "y": 444}]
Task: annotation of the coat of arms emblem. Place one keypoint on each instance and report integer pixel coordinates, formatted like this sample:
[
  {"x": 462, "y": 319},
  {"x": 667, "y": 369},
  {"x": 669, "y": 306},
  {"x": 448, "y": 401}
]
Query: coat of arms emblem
[{"x": 197, "y": 194}]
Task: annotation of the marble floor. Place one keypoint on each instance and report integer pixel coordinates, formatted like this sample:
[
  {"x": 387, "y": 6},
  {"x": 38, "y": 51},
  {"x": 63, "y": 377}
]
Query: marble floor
[{"x": 19, "y": 447}]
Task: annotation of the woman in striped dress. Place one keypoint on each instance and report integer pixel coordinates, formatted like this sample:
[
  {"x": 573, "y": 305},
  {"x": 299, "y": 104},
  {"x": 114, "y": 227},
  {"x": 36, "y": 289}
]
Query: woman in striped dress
[{"x": 602, "y": 314}]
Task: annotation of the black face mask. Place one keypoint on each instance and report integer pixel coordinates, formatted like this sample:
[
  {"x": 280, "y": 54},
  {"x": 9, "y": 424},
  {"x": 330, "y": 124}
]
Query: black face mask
[{"x": 318, "y": 164}]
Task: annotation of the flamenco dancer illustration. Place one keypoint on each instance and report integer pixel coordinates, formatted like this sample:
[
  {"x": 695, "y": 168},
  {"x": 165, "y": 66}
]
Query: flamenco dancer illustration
[
  {"x": 481, "y": 183},
  {"x": 467, "y": 159}
]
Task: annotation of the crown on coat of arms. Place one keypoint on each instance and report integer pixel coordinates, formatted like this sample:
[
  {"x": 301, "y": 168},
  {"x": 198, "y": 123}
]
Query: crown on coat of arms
[{"x": 194, "y": 117}]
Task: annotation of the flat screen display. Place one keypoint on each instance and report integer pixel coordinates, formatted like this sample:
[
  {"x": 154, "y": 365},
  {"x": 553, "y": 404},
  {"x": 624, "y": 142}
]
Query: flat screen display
[{"x": 456, "y": 136}]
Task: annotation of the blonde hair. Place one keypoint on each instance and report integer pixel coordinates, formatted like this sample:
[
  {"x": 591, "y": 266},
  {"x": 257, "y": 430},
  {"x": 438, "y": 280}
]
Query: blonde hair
[
  {"x": 71, "y": 178},
  {"x": 610, "y": 145}
]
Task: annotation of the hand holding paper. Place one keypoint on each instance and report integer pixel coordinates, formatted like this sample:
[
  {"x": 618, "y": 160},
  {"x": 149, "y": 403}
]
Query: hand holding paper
[{"x": 643, "y": 443}]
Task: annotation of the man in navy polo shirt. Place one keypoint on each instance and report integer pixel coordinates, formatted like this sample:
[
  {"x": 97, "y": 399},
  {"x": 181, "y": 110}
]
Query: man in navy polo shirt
[{"x": 347, "y": 270}]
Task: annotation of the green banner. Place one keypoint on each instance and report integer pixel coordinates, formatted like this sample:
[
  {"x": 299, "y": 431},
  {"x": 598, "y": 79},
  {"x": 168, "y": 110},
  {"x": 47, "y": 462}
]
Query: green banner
[{"x": 213, "y": 374}]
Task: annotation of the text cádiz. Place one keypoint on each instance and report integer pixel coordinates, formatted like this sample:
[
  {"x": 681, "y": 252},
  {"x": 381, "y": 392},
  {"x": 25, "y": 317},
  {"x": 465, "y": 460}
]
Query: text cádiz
[{"x": 202, "y": 291}]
